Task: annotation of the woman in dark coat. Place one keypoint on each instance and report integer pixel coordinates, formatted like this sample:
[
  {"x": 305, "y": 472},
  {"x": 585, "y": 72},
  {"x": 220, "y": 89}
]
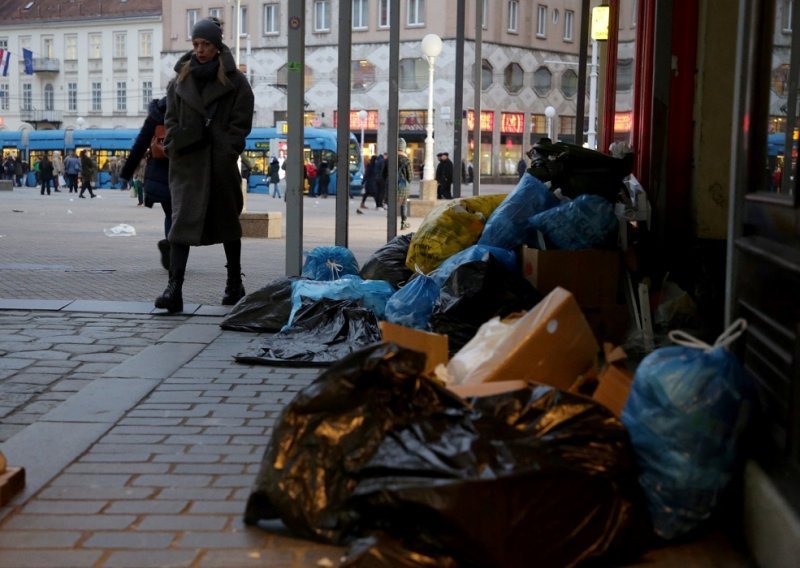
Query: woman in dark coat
[
  {"x": 209, "y": 115},
  {"x": 156, "y": 176},
  {"x": 46, "y": 174}
]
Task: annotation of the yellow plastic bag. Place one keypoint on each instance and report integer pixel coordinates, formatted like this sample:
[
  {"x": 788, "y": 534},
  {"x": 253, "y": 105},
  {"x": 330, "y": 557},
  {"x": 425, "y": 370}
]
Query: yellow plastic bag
[{"x": 450, "y": 228}]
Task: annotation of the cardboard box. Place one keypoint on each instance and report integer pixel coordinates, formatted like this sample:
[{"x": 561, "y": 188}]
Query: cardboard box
[
  {"x": 487, "y": 389},
  {"x": 551, "y": 344},
  {"x": 614, "y": 381},
  {"x": 433, "y": 345},
  {"x": 591, "y": 275},
  {"x": 609, "y": 323}
]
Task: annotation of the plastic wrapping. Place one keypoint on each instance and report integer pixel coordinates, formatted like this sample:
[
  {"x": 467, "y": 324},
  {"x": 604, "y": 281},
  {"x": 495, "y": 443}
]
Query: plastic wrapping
[
  {"x": 586, "y": 222},
  {"x": 412, "y": 304},
  {"x": 373, "y": 294},
  {"x": 389, "y": 262},
  {"x": 329, "y": 263},
  {"x": 685, "y": 414},
  {"x": 529, "y": 477},
  {"x": 323, "y": 332},
  {"x": 448, "y": 229},
  {"x": 474, "y": 293},
  {"x": 507, "y": 258},
  {"x": 507, "y": 226},
  {"x": 267, "y": 309}
]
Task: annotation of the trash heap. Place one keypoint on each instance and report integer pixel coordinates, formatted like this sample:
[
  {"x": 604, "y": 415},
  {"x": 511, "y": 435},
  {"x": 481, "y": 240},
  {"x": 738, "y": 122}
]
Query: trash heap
[{"x": 469, "y": 415}]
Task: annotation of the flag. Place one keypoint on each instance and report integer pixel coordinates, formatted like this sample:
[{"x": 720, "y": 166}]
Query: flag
[
  {"x": 27, "y": 57},
  {"x": 5, "y": 56}
]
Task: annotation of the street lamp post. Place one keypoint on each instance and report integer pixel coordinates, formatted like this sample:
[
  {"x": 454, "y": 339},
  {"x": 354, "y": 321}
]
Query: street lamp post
[
  {"x": 431, "y": 48},
  {"x": 550, "y": 113},
  {"x": 362, "y": 118}
]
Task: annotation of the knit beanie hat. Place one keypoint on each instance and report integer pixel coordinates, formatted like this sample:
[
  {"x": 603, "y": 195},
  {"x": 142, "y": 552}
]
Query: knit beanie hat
[{"x": 208, "y": 30}]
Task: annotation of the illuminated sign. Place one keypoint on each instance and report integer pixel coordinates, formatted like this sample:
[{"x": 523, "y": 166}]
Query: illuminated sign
[
  {"x": 599, "y": 23},
  {"x": 623, "y": 122},
  {"x": 487, "y": 120},
  {"x": 511, "y": 122},
  {"x": 371, "y": 122}
]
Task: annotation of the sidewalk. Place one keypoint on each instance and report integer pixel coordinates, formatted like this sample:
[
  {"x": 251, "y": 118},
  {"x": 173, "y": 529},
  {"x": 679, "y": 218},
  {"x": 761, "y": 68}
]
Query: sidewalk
[{"x": 140, "y": 435}]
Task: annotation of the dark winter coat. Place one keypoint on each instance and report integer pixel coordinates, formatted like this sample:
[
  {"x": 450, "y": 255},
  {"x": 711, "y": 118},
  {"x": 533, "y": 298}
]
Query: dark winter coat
[
  {"x": 204, "y": 179},
  {"x": 156, "y": 175},
  {"x": 45, "y": 169},
  {"x": 274, "y": 171}
]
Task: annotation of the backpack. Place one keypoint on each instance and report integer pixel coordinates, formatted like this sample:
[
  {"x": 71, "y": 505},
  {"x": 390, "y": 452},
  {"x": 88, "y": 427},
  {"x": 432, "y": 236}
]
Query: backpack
[{"x": 157, "y": 143}]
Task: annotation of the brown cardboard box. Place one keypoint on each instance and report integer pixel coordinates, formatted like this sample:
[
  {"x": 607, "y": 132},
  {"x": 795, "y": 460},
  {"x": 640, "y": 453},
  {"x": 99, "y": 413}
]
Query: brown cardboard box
[
  {"x": 614, "y": 381},
  {"x": 551, "y": 344},
  {"x": 433, "y": 345},
  {"x": 610, "y": 323},
  {"x": 591, "y": 275}
]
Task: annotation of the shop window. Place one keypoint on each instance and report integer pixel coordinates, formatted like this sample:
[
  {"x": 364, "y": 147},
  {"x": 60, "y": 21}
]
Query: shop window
[
  {"x": 780, "y": 79},
  {"x": 569, "y": 83},
  {"x": 513, "y": 78},
  {"x": 542, "y": 81}
]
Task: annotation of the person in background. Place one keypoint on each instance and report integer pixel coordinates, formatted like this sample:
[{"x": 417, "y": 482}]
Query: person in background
[
  {"x": 311, "y": 176},
  {"x": 444, "y": 176},
  {"x": 72, "y": 169},
  {"x": 380, "y": 182},
  {"x": 369, "y": 184},
  {"x": 209, "y": 114},
  {"x": 8, "y": 167},
  {"x": 522, "y": 167},
  {"x": 156, "y": 174},
  {"x": 274, "y": 172},
  {"x": 323, "y": 178},
  {"x": 403, "y": 181},
  {"x": 46, "y": 173},
  {"x": 58, "y": 170},
  {"x": 88, "y": 171},
  {"x": 19, "y": 171}
]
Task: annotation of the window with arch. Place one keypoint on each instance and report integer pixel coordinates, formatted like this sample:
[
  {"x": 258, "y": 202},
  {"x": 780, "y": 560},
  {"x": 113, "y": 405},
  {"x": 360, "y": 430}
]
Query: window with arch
[
  {"x": 487, "y": 75},
  {"x": 49, "y": 97},
  {"x": 513, "y": 78},
  {"x": 542, "y": 81},
  {"x": 569, "y": 83}
]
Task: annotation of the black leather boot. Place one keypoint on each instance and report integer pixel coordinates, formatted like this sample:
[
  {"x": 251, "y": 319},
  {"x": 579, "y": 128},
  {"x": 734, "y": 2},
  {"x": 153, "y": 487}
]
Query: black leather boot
[
  {"x": 163, "y": 248},
  {"x": 234, "y": 289},
  {"x": 172, "y": 298}
]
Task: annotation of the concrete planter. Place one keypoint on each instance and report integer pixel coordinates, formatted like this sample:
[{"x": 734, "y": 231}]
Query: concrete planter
[{"x": 262, "y": 225}]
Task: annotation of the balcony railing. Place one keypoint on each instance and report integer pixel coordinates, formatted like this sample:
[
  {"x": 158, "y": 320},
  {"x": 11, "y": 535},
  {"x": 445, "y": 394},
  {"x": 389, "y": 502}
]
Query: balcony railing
[
  {"x": 46, "y": 65},
  {"x": 35, "y": 115}
]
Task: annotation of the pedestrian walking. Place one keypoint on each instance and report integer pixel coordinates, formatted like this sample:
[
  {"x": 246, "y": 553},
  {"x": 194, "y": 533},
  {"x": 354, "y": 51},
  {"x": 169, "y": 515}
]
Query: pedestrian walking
[
  {"x": 72, "y": 170},
  {"x": 58, "y": 170},
  {"x": 274, "y": 172},
  {"x": 209, "y": 115},
  {"x": 370, "y": 183},
  {"x": 46, "y": 174},
  {"x": 403, "y": 181},
  {"x": 88, "y": 171},
  {"x": 19, "y": 171},
  {"x": 323, "y": 178},
  {"x": 444, "y": 176}
]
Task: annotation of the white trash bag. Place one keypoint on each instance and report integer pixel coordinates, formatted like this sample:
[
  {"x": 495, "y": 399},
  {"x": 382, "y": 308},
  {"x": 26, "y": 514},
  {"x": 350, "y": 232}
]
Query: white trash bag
[{"x": 121, "y": 230}]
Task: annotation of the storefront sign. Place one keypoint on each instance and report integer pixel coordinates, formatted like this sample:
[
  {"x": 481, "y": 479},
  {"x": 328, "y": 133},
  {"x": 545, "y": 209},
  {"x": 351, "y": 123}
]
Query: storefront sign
[
  {"x": 412, "y": 120},
  {"x": 623, "y": 121},
  {"x": 487, "y": 120},
  {"x": 512, "y": 122},
  {"x": 371, "y": 122}
]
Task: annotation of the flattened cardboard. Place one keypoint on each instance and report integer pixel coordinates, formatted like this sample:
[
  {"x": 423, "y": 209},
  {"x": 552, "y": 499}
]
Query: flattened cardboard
[
  {"x": 433, "y": 345},
  {"x": 591, "y": 275},
  {"x": 551, "y": 344},
  {"x": 614, "y": 381}
]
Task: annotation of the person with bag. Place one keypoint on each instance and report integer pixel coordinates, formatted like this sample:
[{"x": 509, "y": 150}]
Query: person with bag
[
  {"x": 149, "y": 145},
  {"x": 209, "y": 114},
  {"x": 72, "y": 170},
  {"x": 403, "y": 181},
  {"x": 88, "y": 171}
]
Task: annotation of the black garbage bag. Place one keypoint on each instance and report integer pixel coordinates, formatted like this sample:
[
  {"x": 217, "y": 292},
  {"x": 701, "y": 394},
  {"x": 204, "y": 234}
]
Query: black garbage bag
[
  {"x": 535, "y": 476},
  {"x": 578, "y": 170},
  {"x": 389, "y": 262},
  {"x": 323, "y": 332},
  {"x": 474, "y": 293},
  {"x": 267, "y": 309},
  {"x": 381, "y": 550}
]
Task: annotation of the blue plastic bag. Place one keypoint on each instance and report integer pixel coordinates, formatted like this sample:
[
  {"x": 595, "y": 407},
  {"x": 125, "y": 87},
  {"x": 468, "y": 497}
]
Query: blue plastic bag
[
  {"x": 373, "y": 294},
  {"x": 507, "y": 225},
  {"x": 506, "y": 258},
  {"x": 588, "y": 221},
  {"x": 329, "y": 263},
  {"x": 685, "y": 414},
  {"x": 412, "y": 304}
]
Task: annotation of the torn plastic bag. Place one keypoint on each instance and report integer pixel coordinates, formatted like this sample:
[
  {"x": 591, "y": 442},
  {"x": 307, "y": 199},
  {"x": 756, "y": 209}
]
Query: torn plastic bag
[
  {"x": 448, "y": 229},
  {"x": 506, "y": 228},
  {"x": 329, "y": 263},
  {"x": 685, "y": 413},
  {"x": 372, "y": 294},
  {"x": 264, "y": 310},
  {"x": 586, "y": 222},
  {"x": 577, "y": 170},
  {"x": 508, "y": 258},
  {"x": 389, "y": 262},
  {"x": 412, "y": 304},
  {"x": 323, "y": 332},
  {"x": 533, "y": 476},
  {"x": 474, "y": 293}
]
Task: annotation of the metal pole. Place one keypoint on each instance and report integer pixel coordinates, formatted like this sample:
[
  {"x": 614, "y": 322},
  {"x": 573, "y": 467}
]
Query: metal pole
[
  {"x": 393, "y": 118},
  {"x": 238, "y": 28},
  {"x": 476, "y": 136},
  {"x": 343, "y": 127},
  {"x": 458, "y": 121},
  {"x": 294, "y": 138},
  {"x": 428, "y": 171},
  {"x": 591, "y": 133}
]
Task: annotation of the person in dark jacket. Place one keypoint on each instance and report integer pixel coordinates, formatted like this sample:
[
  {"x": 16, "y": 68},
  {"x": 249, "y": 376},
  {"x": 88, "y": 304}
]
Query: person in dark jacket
[
  {"x": 323, "y": 178},
  {"x": 156, "y": 176},
  {"x": 444, "y": 176},
  {"x": 88, "y": 171},
  {"x": 370, "y": 183},
  {"x": 209, "y": 115},
  {"x": 274, "y": 172},
  {"x": 46, "y": 173}
]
